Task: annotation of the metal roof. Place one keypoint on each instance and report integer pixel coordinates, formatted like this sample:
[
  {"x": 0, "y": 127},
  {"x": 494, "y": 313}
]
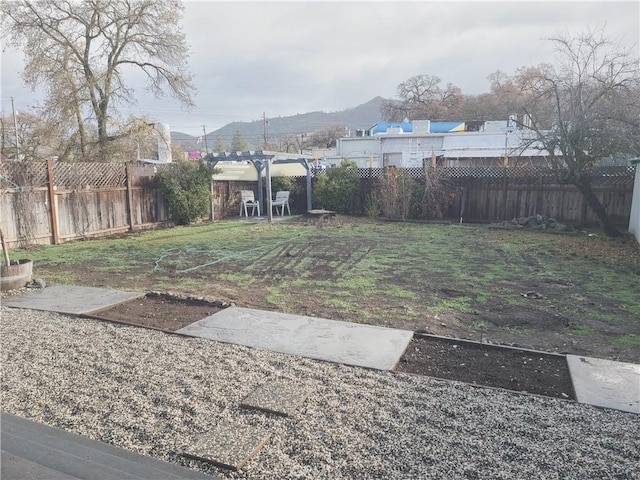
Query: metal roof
[{"x": 484, "y": 145}]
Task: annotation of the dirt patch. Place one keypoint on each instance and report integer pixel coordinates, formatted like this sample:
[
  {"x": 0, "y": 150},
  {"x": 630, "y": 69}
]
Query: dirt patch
[
  {"x": 161, "y": 312},
  {"x": 450, "y": 359},
  {"x": 488, "y": 365}
]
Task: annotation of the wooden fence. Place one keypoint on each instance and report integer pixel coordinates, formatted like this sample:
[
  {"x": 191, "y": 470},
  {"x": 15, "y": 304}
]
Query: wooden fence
[
  {"x": 54, "y": 202},
  {"x": 493, "y": 194},
  {"x": 484, "y": 195},
  {"x": 496, "y": 194}
]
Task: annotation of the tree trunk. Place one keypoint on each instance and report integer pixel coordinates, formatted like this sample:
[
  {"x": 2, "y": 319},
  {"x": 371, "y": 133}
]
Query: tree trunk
[
  {"x": 584, "y": 187},
  {"x": 81, "y": 131},
  {"x": 103, "y": 137}
]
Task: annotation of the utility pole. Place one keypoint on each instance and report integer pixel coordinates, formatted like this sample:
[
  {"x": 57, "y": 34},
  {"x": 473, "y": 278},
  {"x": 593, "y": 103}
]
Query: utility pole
[
  {"x": 206, "y": 146},
  {"x": 15, "y": 124},
  {"x": 265, "y": 133}
]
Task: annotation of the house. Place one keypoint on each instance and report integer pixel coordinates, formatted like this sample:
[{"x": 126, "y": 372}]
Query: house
[{"x": 410, "y": 144}]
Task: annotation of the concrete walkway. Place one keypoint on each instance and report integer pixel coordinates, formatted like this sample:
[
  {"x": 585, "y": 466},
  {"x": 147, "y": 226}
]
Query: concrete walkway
[
  {"x": 341, "y": 342},
  {"x": 597, "y": 382}
]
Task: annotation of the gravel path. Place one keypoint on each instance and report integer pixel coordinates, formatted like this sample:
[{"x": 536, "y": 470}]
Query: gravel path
[{"x": 156, "y": 393}]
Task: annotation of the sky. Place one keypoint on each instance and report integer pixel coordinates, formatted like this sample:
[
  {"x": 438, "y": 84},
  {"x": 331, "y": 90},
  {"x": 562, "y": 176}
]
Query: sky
[{"x": 285, "y": 58}]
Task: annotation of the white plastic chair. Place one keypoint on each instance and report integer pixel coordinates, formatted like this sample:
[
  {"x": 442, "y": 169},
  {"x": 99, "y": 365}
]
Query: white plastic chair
[
  {"x": 247, "y": 199},
  {"x": 282, "y": 201}
]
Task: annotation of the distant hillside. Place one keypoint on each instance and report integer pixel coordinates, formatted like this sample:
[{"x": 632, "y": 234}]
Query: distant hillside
[{"x": 360, "y": 117}]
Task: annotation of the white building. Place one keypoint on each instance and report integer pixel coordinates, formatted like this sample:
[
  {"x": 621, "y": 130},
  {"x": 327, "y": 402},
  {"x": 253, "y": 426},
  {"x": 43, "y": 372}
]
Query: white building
[{"x": 410, "y": 145}]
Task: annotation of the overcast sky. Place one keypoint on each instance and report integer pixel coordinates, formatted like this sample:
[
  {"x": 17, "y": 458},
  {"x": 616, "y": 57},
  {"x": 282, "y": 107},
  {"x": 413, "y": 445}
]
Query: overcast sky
[{"x": 284, "y": 58}]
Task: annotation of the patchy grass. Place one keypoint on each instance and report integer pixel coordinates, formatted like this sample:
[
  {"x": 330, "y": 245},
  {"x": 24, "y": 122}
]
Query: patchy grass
[
  {"x": 581, "y": 329},
  {"x": 627, "y": 341},
  {"x": 446, "y": 279}
]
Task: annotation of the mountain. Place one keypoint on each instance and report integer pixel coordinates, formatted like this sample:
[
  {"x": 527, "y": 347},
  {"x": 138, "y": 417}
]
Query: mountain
[{"x": 360, "y": 117}]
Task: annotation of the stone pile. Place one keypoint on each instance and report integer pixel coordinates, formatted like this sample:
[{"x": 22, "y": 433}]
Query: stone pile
[{"x": 536, "y": 222}]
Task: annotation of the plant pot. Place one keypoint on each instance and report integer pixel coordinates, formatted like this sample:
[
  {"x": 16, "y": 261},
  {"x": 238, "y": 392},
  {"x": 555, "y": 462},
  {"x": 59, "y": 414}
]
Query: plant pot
[{"x": 16, "y": 275}]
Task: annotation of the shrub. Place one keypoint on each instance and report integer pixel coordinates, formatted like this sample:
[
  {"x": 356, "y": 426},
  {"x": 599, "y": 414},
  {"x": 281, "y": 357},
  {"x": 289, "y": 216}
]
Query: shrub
[
  {"x": 372, "y": 207},
  {"x": 185, "y": 186},
  {"x": 338, "y": 188},
  {"x": 283, "y": 183},
  {"x": 436, "y": 195},
  {"x": 398, "y": 194}
]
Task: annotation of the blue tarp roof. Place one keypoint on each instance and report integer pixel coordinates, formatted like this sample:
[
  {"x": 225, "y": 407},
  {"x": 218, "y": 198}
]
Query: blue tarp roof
[
  {"x": 435, "y": 127},
  {"x": 444, "y": 127}
]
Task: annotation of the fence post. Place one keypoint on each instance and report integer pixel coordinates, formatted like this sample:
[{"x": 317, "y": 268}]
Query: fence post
[
  {"x": 212, "y": 192},
  {"x": 505, "y": 192},
  {"x": 127, "y": 169},
  {"x": 52, "y": 201}
]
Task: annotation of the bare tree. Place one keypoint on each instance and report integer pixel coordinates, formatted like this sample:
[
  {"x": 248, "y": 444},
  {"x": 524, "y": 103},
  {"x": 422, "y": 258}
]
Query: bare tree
[
  {"x": 39, "y": 138},
  {"x": 288, "y": 143},
  {"x": 82, "y": 50},
  {"x": 587, "y": 109},
  {"x": 423, "y": 97},
  {"x": 326, "y": 138}
]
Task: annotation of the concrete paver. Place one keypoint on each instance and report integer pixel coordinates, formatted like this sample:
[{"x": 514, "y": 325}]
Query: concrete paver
[
  {"x": 280, "y": 397},
  {"x": 341, "y": 342},
  {"x": 229, "y": 445},
  {"x": 605, "y": 383},
  {"x": 71, "y": 299}
]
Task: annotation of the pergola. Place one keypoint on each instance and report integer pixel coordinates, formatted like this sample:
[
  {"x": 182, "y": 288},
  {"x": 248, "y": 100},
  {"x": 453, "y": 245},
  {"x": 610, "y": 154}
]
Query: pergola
[{"x": 262, "y": 161}]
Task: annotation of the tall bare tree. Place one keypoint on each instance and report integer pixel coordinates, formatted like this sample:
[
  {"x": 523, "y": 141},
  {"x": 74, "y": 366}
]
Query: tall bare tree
[
  {"x": 586, "y": 109},
  {"x": 422, "y": 97},
  {"x": 81, "y": 52},
  {"x": 326, "y": 138}
]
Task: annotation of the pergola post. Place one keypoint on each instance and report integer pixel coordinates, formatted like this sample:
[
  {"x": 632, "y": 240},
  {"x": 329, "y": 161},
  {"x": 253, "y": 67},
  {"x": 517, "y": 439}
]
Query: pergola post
[
  {"x": 308, "y": 169},
  {"x": 259, "y": 166},
  {"x": 268, "y": 182}
]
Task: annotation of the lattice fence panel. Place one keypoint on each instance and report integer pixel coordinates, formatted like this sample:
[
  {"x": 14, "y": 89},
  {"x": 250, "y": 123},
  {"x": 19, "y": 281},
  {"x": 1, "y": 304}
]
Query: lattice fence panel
[
  {"x": 622, "y": 177},
  {"x": 89, "y": 175},
  {"x": 22, "y": 174},
  {"x": 614, "y": 176}
]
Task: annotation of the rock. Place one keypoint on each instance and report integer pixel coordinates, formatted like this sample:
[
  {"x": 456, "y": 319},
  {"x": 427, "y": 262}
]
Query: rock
[
  {"x": 37, "y": 283},
  {"x": 561, "y": 227},
  {"x": 535, "y": 222},
  {"x": 532, "y": 294}
]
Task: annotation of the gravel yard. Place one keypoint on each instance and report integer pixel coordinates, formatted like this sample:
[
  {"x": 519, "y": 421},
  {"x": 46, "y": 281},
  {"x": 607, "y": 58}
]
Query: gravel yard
[{"x": 157, "y": 394}]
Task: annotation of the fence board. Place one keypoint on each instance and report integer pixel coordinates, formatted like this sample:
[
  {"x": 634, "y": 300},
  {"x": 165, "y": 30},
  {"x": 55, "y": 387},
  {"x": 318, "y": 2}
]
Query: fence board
[
  {"x": 149, "y": 206},
  {"x": 24, "y": 217},
  {"x": 91, "y": 200}
]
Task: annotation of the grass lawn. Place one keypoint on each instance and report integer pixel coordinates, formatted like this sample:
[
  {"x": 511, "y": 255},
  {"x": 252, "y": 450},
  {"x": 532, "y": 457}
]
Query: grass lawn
[{"x": 567, "y": 293}]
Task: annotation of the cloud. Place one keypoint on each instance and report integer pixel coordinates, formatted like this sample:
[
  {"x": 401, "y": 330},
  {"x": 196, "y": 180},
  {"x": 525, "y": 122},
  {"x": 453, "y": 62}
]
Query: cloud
[{"x": 291, "y": 57}]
